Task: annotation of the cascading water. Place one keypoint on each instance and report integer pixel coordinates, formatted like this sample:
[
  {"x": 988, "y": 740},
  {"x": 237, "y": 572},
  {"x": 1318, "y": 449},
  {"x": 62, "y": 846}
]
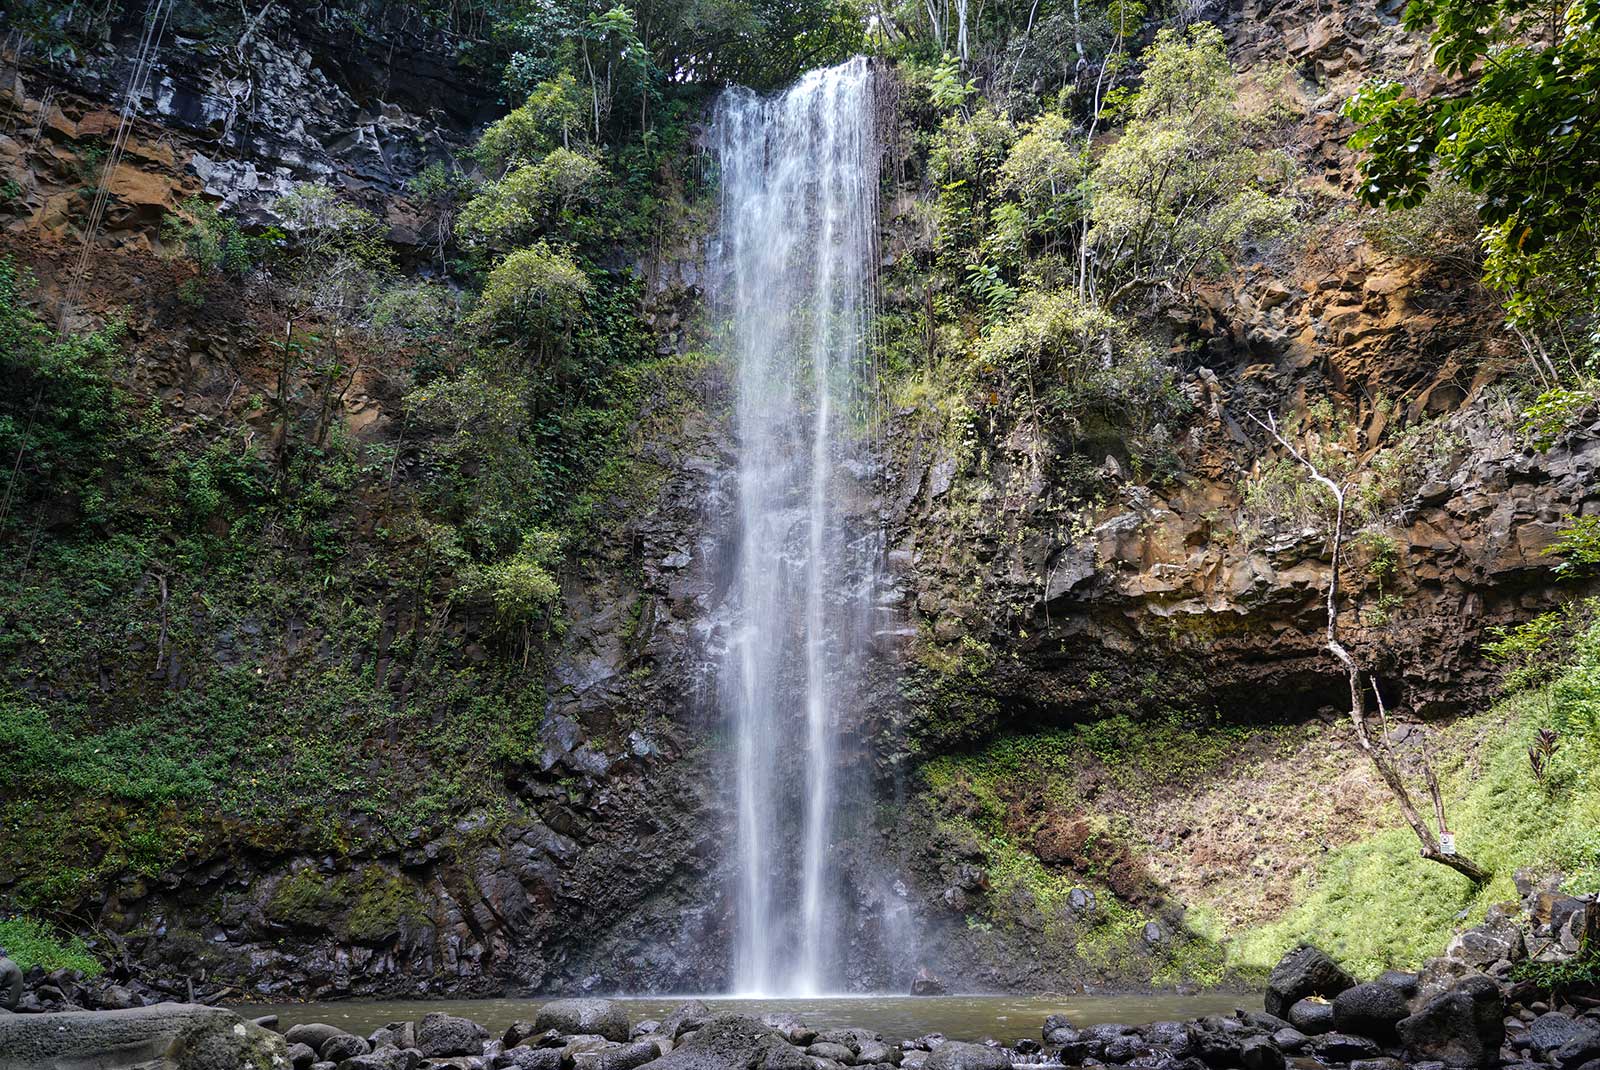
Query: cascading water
[{"x": 793, "y": 273}]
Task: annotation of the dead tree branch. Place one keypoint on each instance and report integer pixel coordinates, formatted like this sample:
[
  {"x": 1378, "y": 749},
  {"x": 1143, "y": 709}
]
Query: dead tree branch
[{"x": 1382, "y": 760}]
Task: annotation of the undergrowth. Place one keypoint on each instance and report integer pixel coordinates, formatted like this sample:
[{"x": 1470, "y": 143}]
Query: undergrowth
[
  {"x": 1375, "y": 904},
  {"x": 30, "y": 942}
]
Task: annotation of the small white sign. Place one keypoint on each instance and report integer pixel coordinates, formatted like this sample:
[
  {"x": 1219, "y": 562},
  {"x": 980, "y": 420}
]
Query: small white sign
[{"x": 1447, "y": 843}]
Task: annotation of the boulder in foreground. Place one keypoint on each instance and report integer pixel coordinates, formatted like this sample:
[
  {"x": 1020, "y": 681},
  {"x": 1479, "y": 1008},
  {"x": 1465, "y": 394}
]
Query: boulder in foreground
[
  {"x": 954, "y": 1055},
  {"x": 166, "y": 1036},
  {"x": 588, "y": 1017},
  {"x": 1303, "y": 972}
]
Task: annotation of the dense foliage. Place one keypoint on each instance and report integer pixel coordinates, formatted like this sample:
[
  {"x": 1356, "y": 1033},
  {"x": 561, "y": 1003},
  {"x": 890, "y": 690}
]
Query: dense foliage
[
  {"x": 1515, "y": 128},
  {"x": 1027, "y": 292}
]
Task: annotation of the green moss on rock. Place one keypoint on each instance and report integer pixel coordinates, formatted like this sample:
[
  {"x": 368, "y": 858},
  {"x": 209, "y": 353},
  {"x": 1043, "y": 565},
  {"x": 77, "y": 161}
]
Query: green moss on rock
[{"x": 382, "y": 902}]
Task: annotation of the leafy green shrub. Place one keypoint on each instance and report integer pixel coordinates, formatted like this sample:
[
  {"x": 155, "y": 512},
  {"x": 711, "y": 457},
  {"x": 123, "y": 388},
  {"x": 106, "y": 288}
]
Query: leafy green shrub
[
  {"x": 521, "y": 588},
  {"x": 532, "y": 199},
  {"x": 414, "y": 310},
  {"x": 1085, "y": 371},
  {"x": 1443, "y": 229},
  {"x": 1181, "y": 189},
  {"x": 31, "y": 942},
  {"x": 1578, "y": 546},
  {"x": 1521, "y": 117},
  {"x": 216, "y": 243},
  {"x": 1530, "y": 651},
  {"x": 1045, "y": 171},
  {"x": 1555, "y": 412},
  {"x": 61, "y": 407},
  {"x": 537, "y": 290},
  {"x": 338, "y": 253},
  {"x": 554, "y": 110}
]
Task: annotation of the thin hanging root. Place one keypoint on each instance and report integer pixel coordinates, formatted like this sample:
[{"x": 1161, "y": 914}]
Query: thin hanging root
[{"x": 138, "y": 78}]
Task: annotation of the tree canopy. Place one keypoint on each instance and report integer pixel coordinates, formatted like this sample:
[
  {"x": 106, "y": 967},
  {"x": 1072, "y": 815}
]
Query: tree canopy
[{"x": 1515, "y": 126}]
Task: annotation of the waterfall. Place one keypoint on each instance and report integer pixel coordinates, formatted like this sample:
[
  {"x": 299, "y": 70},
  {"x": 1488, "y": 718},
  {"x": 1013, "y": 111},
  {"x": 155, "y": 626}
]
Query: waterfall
[{"x": 792, "y": 272}]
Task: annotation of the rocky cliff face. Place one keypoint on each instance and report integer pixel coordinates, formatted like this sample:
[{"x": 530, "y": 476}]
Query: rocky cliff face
[
  {"x": 596, "y": 861},
  {"x": 1024, "y": 591}
]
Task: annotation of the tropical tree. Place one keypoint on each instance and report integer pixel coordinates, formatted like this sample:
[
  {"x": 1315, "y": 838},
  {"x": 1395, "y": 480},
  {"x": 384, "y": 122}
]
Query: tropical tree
[{"x": 1516, "y": 127}]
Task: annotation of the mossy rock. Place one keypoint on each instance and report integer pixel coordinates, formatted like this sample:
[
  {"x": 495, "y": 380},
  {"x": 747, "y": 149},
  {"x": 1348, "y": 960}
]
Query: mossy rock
[
  {"x": 306, "y": 899},
  {"x": 383, "y": 901}
]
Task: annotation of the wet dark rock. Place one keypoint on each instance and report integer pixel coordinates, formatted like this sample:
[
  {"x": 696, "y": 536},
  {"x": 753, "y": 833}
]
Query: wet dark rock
[
  {"x": 10, "y": 984},
  {"x": 836, "y": 1052},
  {"x": 444, "y": 1035},
  {"x": 584, "y": 1044},
  {"x": 313, "y": 1034},
  {"x": 792, "y": 1027},
  {"x": 622, "y": 1057},
  {"x": 119, "y": 998},
  {"x": 1124, "y": 1049},
  {"x": 1268, "y": 1023},
  {"x": 1058, "y": 1030},
  {"x": 691, "y": 1015},
  {"x": 1259, "y": 1053},
  {"x": 1550, "y": 1031},
  {"x": 1106, "y": 1032},
  {"x": 596, "y": 1017},
  {"x": 644, "y": 1028},
  {"x": 1403, "y": 982},
  {"x": 1371, "y": 1010},
  {"x": 1290, "y": 1040},
  {"x": 387, "y": 1057},
  {"x": 1343, "y": 1047},
  {"x": 209, "y": 1038},
  {"x": 926, "y": 983},
  {"x": 1175, "y": 1037},
  {"x": 1461, "y": 1028},
  {"x": 1380, "y": 1063},
  {"x": 1216, "y": 1048},
  {"x": 727, "y": 1042},
  {"x": 879, "y": 1053},
  {"x": 1311, "y": 1016},
  {"x": 775, "y": 1053},
  {"x": 522, "y": 1058},
  {"x": 301, "y": 1056},
  {"x": 1303, "y": 972},
  {"x": 1581, "y": 1049},
  {"x": 394, "y": 1035},
  {"x": 955, "y": 1055},
  {"x": 344, "y": 1046}
]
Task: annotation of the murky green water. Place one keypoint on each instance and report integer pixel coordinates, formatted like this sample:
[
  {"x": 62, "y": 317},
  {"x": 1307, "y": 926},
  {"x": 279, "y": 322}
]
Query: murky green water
[{"x": 1005, "y": 1018}]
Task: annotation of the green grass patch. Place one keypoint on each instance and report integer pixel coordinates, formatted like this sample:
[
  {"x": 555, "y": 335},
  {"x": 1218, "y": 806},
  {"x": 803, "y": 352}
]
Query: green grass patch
[
  {"x": 1138, "y": 754},
  {"x": 1375, "y": 904},
  {"x": 31, "y": 942}
]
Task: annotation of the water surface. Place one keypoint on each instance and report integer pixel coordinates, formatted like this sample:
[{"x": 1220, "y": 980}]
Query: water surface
[{"x": 1005, "y": 1018}]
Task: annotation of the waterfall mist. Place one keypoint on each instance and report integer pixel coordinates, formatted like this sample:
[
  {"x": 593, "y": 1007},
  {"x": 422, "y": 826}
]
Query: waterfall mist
[{"x": 793, "y": 273}]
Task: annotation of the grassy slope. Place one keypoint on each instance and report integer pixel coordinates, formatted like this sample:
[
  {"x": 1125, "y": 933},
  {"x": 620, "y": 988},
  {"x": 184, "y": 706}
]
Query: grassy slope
[
  {"x": 1375, "y": 904},
  {"x": 1272, "y": 835}
]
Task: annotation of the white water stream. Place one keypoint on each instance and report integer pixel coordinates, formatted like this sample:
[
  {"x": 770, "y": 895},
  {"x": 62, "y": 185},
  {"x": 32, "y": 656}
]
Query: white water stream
[{"x": 793, "y": 271}]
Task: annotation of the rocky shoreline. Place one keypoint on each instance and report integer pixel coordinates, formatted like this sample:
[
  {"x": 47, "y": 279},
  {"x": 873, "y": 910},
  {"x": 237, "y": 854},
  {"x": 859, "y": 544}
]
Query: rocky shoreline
[{"x": 1516, "y": 991}]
